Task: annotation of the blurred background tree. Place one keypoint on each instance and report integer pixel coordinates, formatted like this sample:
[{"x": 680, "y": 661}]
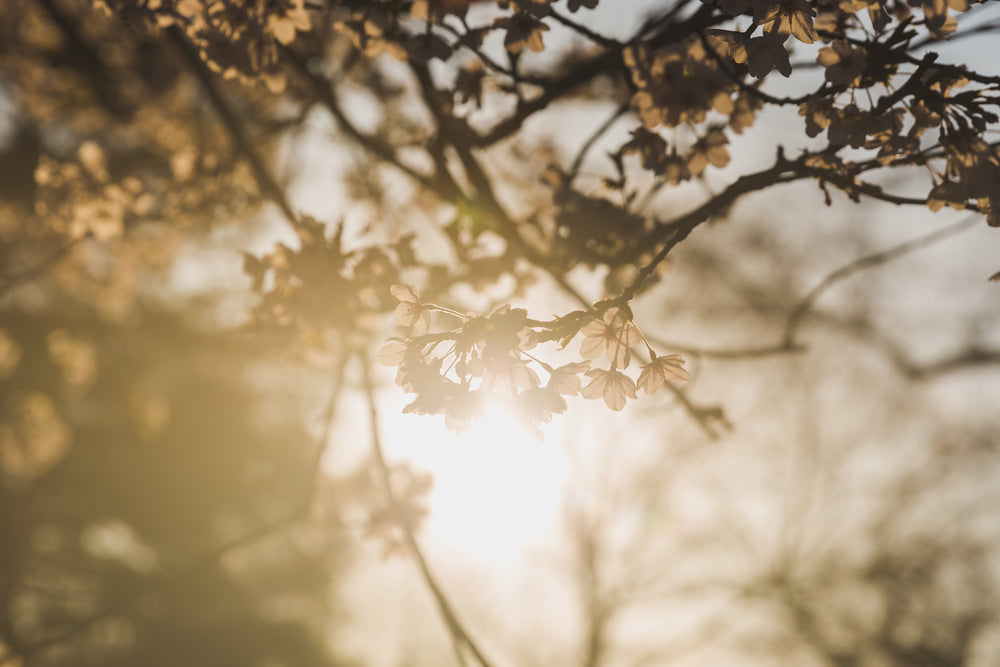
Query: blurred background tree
[
  {"x": 210, "y": 209},
  {"x": 138, "y": 464}
]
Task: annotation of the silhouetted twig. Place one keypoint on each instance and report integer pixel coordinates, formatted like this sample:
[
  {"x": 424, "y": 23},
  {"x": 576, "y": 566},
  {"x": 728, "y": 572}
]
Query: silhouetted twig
[
  {"x": 581, "y": 29},
  {"x": 574, "y": 167}
]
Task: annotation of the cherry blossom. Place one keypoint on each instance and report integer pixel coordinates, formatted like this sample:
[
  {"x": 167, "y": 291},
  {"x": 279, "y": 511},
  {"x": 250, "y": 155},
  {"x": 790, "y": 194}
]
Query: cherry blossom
[
  {"x": 410, "y": 313},
  {"x": 614, "y": 334},
  {"x": 613, "y": 386},
  {"x": 660, "y": 370}
]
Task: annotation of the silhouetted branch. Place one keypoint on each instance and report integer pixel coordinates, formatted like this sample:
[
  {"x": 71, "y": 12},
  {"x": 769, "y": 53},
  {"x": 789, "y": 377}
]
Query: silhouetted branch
[
  {"x": 972, "y": 358},
  {"x": 491, "y": 63},
  {"x": 783, "y": 171},
  {"x": 578, "y": 28},
  {"x": 485, "y": 195},
  {"x": 661, "y": 30},
  {"x": 705, "y": 416},
  {"x": 725, "y": 352},
  {"x": 552, "y": 91},
  {"x": 955, "y": 36},
  {"x": 675, "y": 231},
  {"x": 754, "y": 91},
  {"x": 323, "y": 89},
  {"x": 955, "y": 70}
]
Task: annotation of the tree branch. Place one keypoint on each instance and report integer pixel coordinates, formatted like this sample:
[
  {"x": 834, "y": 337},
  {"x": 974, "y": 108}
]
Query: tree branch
[
  {"x": 783, "y": 171},
  {"x": 454, "y": 132},
  {"x": 675, "y": 231},
  {"x": 972, "y": 358},
  {"x": 754, "y": 91},
  {"x": 595, "y": 37},
  {"x": 728, "y": 353},
  {"x": 323, "y": 89},
  {"x": 662, "y": 31}
]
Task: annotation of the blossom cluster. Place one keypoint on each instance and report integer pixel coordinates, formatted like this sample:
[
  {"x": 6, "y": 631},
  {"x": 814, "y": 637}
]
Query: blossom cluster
[{"x": 490, "y": 358}]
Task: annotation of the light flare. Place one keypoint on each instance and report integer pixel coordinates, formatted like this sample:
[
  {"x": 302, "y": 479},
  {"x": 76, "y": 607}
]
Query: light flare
[{"x": 497, "y": 488}]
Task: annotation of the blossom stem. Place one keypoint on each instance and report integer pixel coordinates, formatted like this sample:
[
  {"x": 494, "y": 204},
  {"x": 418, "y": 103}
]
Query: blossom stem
[
  {"x": 446, "y": 311},
  {"x": 645, "y": 341}
]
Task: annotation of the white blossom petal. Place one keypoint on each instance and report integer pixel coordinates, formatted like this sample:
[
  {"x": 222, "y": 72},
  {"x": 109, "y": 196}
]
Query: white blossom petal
[
  {"x": 392, "y": 353},
  {"x": 405, "y": 293}
]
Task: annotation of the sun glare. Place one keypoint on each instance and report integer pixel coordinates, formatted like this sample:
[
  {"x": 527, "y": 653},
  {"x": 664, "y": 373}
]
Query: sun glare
[{"x": 497, "y": 488}]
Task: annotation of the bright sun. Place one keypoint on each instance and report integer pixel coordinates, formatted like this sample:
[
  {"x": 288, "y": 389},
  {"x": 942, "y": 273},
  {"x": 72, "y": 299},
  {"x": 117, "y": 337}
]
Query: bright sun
[{"x": 497, "y": 489}]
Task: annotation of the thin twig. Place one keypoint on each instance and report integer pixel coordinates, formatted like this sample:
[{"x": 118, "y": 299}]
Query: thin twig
[
  {"x": 725, "y": 353},
  {"x": 956, "y": 70},
  {"x": 954, "y": 37},
  {"x": 782, "y": 171},
  {"x": 574, "y": 167},
  {"x": 488, "y": 61},
  {"x": 581, "y": 29},
  {"x": 754, "y": 91},
  {"x": 705, "y": 417},
  {"x": 867, "y": 262},
  {"x": 324, "y": 91},
  {"x": 672, "y": 233},
  {"x": 503, "y": 224},
  {"x": 971, "y": 358},
  {"x": 455, "y": 626},
  {"x": 662, "y": 31}
]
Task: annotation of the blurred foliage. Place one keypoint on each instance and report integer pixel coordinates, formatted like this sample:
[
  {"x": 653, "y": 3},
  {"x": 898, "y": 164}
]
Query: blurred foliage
[{"x": 135, "y": 459}]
